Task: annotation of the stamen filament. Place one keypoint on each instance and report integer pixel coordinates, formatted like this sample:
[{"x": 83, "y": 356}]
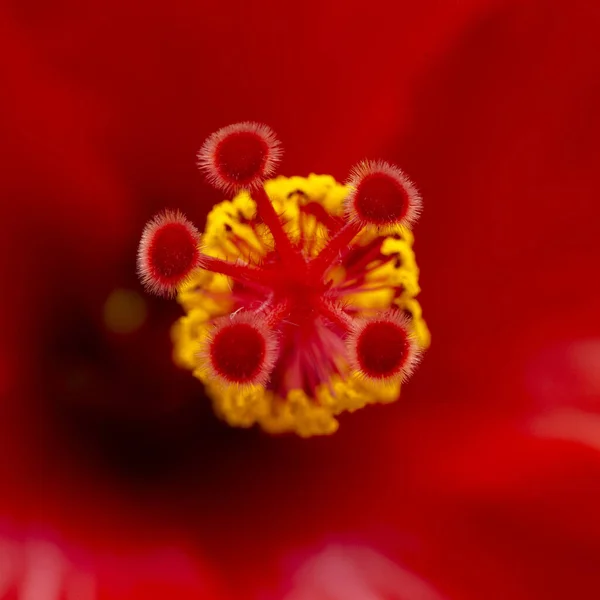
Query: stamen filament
[
  {"x": 271, "y": 219},
  {"x": 240, "y": 272},
  {"x": 274, "y": 313},
  {"x": 372, "y": 254},
  {"x": 336, "y": 315},
  {"x": 334, "y": 246}
]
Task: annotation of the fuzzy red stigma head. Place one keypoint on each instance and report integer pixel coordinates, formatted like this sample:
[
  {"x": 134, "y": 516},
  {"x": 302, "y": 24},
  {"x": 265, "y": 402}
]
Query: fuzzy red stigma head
[
  {"x": 241, "y": 350},
  {"x": 383, "y": 348},
  {"x": 168, "y": 252},
  {"x": 382, "y": 195},
  {"x": 240, "y": 156}
]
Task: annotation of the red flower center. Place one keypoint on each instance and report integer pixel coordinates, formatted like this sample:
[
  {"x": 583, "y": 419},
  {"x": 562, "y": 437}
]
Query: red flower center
[{"x": 290, "y": 319}]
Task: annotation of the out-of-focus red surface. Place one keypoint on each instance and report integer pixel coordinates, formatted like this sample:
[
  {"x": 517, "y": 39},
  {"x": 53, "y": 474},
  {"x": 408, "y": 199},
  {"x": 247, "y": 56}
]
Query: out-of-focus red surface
[{"x": 482, "y": 482}]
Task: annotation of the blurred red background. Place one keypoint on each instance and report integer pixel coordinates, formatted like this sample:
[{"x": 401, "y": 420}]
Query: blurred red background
[{"x": 483, "y": 481}]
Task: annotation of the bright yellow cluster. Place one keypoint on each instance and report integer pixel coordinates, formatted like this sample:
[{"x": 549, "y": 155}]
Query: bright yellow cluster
[{"x": 230, "y": 234}]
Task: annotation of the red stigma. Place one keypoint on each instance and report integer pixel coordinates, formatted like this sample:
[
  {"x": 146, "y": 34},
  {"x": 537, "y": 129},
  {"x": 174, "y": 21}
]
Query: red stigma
[
  {"x": 240, "y": 156},
  {"x": 379, "y": 199},
  {"x": 241, "y": 350},
  {"x": 168, "y": 252},
  {"x": 383, "y": 348},
  {"x": 382, "y": 195}
]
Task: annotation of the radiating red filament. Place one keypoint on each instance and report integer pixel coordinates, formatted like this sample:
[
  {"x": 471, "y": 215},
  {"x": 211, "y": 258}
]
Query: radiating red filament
[
  {"x": 383, "y": 349},
  {"x": 168, "y": 252}
]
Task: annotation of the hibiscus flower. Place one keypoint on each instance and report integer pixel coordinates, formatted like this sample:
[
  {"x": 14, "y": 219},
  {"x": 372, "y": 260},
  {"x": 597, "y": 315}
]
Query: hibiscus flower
[{"x": 482, "y": 481}]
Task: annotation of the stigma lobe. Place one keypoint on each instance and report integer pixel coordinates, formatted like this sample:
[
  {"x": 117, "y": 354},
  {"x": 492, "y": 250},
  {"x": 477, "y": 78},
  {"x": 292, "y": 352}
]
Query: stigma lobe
[
  {"x": 168, "y": 252},
  {"x": 382, "y": 196},
  {"x": 383, "y": 348},
  {"x": 241, "y": 350},
  {"x": 240, "y": 156}
]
